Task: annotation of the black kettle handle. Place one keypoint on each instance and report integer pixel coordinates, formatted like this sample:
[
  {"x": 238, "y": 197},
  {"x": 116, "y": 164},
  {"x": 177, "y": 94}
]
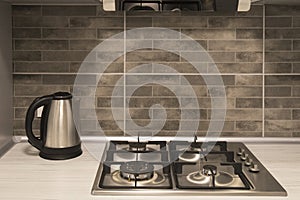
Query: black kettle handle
[{"x": 38, "y": 102}]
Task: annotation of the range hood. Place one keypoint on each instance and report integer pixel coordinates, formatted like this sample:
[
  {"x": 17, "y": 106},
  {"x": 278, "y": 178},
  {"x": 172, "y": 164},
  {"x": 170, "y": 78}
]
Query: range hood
[{"x": 177, "y": 5}]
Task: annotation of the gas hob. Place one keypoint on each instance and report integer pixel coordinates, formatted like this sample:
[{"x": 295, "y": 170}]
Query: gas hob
[{"x": 161, "y": 168}]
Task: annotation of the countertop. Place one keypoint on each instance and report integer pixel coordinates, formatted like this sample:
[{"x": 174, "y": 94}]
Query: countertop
[{"x": 24, "y": 175}]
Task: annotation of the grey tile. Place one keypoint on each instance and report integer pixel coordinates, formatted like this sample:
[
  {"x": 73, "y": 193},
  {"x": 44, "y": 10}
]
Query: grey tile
[
  {"x": 249, "y": 33},
  {"x": 135, "y": 22},
  {"x": 64, "y": 55},
  {"x": 27, "y": 33},
  {"x": 278, "y": 21},
  {"x": 242, "y": 134},
  {"x": 68, "y": 79},
  {"x": 83, "y": 44},
  {"x": 20, "y": 113},
  {"x": 108, "y": 125},
  {"x": 222, "y": 56},
  {"x": 95, "y": 67},
  {"x": 105, "y": 33},
  {"x": 282, "y": 103},
  {"x": 296, "y": 91},
  {"x": 180, "y": 21},
  {"x": 41, "y": 44},
  {"x": 218, "y": 34},
  {"x": 26, "y": 55},
  {"x": 235, "y": 22},
  {"x": 248, "y": 80},
  {"x": 205, "y": 103},
  {"x": 161, "y": 79},
  {"x": 249, "y": 57},
  {"x": 41, "y": 66},
  {"x": 278, "y": 45},
  {"x": 200, "y": 91},
  {"x": 282, "y": 33},
  {"x": 108, "y": 80},
  {"x": 296, "y": 114},
  {"x": 279, "y": 80},
  {"x": 152, "y": 57},
  {"x": 282, "y": 56},
  {"x": 18, "y": 124},
  {"x": 296, "y": 134},
  {"x": 281, "y": 125},
  {"x": 244, "y": 114},
  {"x": 148, "y": 102},
  {"x": 69, "y": 10},
  {"x": 22, "y": 101},
  {"x": 278, "y": 114},
  {"x": 106, "y": 102},
  {"x": 239, "y": 68},
  {"x": 145, "y": 90},
  {"x": 69, "y": 33},
  {"x": 27, "y": 79},
  {"x": 296, "y": 45},
  {"x": 278, "y": 91},
  {"x": 282, "y": 10},
  {"x": 104, "y": 91},
  {"x": 97, "y": 22},
  {"x": 235, "y": 45},
  {"x": 277, "y": 134},
  {"x": 38, "y": 21},
  {"x": 198, "y": 79},
  {"x": 38, "y": 90},
  {"x": 244, "y": 91},
  {"x": 26, "y": 10},
  {"x": 296, "y": 67},
  {"x": 278, "y": 67},
  {"x": 140, "y": 114},
  {"x": 106, "y": 114},
  {"x": 296, "y": 21},
  {"x": 248, "y": 102},
  {"x": 249, "y": 126}
]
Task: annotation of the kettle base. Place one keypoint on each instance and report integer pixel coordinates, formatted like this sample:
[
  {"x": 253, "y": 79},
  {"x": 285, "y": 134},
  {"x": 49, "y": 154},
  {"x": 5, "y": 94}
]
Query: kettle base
[{"x": 61, "y": 153}]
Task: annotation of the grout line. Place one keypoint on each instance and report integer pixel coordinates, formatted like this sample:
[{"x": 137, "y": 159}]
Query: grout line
[
  {"x": 263, "y": 71},
  {"x": 124, "y": 75}
]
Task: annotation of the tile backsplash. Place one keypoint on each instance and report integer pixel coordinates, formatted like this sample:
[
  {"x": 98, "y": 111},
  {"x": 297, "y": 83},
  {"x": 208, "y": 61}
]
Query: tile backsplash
[{"x": 257, "y": 54}]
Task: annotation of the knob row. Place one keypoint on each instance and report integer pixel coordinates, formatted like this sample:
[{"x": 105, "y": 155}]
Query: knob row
[{"x": 247, "y": 160}]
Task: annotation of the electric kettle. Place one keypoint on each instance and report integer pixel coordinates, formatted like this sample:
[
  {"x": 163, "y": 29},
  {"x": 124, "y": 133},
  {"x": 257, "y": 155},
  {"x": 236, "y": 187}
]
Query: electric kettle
[{"x": 58, "y": 139}]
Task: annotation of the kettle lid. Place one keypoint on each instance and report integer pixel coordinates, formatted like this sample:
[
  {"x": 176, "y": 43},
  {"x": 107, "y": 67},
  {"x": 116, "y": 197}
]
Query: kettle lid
[{"x": 62, "y": 96}]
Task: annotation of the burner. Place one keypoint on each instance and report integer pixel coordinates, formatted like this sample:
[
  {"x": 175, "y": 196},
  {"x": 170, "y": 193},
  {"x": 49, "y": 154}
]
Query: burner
[
  {"x": 190, "y": 157},
  {"x": 136, "y": 170},
  {"x": 137, "y": 146},
  {"x": 155, "y": 180}
]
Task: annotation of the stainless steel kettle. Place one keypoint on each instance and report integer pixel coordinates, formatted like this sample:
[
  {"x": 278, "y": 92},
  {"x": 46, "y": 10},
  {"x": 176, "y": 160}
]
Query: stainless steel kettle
[{"x": 58, "y": 139}]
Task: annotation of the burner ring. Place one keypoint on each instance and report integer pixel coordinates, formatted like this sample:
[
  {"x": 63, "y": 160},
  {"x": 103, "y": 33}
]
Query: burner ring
[
  {"x": 137, "y": 146},
  {"x": 137, "y": 170}
]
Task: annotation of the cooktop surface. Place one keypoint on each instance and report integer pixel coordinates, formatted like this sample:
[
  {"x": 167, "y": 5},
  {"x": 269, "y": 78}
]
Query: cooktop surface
[{"x": 183, "y": 168}]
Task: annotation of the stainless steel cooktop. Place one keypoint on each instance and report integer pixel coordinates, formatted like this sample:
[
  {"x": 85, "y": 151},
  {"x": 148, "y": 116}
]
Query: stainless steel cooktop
[{"x": 183, "y": 168}]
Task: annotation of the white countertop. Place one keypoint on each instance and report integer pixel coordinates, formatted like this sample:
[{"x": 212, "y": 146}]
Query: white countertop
[{"x": 24, "y": 175}]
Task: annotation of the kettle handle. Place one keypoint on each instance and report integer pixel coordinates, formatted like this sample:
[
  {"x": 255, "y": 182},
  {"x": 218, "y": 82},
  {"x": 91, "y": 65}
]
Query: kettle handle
[{"x": 38, "y": 102}]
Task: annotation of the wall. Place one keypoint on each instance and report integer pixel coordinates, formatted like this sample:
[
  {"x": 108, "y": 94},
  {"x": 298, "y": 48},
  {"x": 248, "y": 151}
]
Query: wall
[
  {"x": 6, "y": 130},
  {"x": 51, "y": 41}
]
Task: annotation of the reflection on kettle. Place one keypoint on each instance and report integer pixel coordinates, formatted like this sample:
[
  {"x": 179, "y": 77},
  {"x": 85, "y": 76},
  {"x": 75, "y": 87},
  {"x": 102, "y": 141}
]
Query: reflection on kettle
[{"x": 58, "y": 139}]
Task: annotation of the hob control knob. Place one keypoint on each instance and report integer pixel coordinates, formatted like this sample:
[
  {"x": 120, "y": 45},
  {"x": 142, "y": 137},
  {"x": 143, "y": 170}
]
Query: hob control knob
[
  {"x": 254, "y": 168},
  {"x": 248, "y": 161},
  {"x": 244, "y": 156},
  {"x": 241, "y": 151}
]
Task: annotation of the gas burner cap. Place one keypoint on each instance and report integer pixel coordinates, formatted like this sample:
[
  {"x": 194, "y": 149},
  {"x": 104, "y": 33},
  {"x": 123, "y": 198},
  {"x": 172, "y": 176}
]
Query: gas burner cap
[
  {"x": 209, "y": 170},
  {"x": 137, "y": 146},
  {"x": 136, "y": 170}
]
